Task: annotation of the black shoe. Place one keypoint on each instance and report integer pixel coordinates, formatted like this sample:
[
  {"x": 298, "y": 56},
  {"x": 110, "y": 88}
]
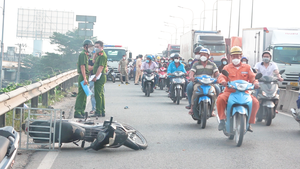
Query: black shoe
[
  {"x": 127, "y": 83},
  {"x": 103, "y": 114},
  {"x": 221, "y": 125},
  {"x": 250, "y": 128},
  {"x": 136, "y": 84},
  {"x": 122, "y": 82},
  {"x": 79, "y": 116}
]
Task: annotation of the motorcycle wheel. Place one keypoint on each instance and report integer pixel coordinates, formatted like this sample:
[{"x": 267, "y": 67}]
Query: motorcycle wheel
[
  {"x": 240, "y": 129},
  {"x": 161, "y": 84},
  {"x": 113, "y": 79},
  {"x": 203, "y": 114},
  {"x": 148, "y": 89},
  {"x": 132, "y": 142},
  {"x": 269, "y": 116},
  {"x": 178, "y": 96}
]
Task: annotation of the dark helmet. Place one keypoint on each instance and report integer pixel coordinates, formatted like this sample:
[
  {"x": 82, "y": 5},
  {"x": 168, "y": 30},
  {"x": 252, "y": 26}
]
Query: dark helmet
[
  {"x": 88, "y": 42},
  {"x": 197, "y": 49},
  {"x": 176, "y": 55},
  {"x": 224, "y": 58},
  {"x": 244, "y": 58},
  {"x": 268, "y": 52}
]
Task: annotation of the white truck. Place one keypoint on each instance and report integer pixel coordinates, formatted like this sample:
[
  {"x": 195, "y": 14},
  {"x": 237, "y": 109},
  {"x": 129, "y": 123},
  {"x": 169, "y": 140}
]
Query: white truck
[
  {"x": 284, "y": 45},
  {"x": 213, "y": 40},
  {"x": 114, "y": 55}
]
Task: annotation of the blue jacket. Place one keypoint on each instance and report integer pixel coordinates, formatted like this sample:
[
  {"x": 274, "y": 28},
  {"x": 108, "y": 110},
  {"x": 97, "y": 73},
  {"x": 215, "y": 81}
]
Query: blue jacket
[{"x": 172, "y": 68}]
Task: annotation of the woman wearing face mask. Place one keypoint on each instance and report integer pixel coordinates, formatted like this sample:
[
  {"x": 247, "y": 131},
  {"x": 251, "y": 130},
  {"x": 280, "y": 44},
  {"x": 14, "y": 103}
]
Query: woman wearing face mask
[
  {"x": 244, "y": 60},
  {"x": 224, "y": 62}
]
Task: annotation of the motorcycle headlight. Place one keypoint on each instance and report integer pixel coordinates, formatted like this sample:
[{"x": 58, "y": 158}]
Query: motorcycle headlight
[
  {"x": 149, "y": 77},
  {"x": 241, "y": 86},
  {"x": 206, "y": 80},
  {"x": 178, "y": 73},
  {"x": 162, "y": 76}
]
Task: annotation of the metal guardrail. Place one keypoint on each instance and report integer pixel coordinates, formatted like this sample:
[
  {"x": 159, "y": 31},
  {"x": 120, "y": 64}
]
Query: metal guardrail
[{"x": 10, "y": 100}]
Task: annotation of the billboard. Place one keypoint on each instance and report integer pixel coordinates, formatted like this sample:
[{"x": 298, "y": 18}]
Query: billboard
[{"x": 40, "y": 24}]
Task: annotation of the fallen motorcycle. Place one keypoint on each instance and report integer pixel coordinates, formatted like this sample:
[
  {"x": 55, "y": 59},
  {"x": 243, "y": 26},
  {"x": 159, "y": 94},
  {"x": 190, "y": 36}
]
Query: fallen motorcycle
[
  {"x": 9, "y": 144},
  {"x": 110, "y": 134}
]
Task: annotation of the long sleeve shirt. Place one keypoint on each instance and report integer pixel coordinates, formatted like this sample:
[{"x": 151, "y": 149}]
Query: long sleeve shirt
[
  {"x": 172, "y": 68},
  {"x": 152, "y": 66}
]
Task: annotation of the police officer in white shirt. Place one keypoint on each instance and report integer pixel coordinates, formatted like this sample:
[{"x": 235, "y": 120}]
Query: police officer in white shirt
[{"x": 267, "y": 68}]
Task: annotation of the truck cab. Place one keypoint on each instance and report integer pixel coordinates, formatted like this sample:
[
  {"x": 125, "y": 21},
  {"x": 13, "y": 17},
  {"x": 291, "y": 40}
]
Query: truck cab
[{"x": 114, "y": 55}]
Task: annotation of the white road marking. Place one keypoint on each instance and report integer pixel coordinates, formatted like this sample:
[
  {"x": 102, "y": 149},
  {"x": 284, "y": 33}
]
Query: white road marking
[
  {"x": 285, "y": 114},
  {"x": 48, "y": 160}
]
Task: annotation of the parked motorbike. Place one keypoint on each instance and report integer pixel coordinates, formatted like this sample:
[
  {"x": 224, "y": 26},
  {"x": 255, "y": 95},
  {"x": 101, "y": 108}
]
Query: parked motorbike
[
  {"x": 130, "y": 70},
  {"x": 148, "y": 82},
  {"x": 205, "y": 99},
  {"x": 111, "y": 75},
  {"x": 238, "y": 109},
  {"x": 9, "y": 144},
  {"x": 109, "y": 135},
  {"x": 268, "y": 98},
  {"x": 178, "y": 82},
  {"x": 296, "y": 114},
  {"x": 162, "y": 77}
]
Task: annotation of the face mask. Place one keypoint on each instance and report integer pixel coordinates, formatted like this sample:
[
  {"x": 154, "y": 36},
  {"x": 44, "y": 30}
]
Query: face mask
[
  {"x": 244, "y": 62},
  {"x": 224, "y": 63},
  {"x": 147, "y": 61},
  {"x": 190, "y": 62},
  {"x": 176, "y": 60},
  {"x": 91, "y": 49},
  {"x": 266, "y": 60},
  {"x": 197, "y": 57},
  {"x": 170, "y": 61},
  {"x": 124, "y": 58},
  {"x": 203, "y": 58},
  {"x": 236, "y": 61},
  {"x": 180, "y": 61},
  {"x": 162, "y": 61}
]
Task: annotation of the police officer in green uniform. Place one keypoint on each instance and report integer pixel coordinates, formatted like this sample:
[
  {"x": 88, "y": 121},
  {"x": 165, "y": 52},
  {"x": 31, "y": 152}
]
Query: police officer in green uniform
[
  {"x": 82, "y": 69},
  {"x": 100, "y": 70}
]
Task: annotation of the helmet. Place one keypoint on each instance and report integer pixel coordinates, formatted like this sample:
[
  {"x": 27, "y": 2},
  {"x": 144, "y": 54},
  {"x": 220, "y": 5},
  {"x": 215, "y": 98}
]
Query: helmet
[
  {"x": 268, "y": 52},
  {"x": 205, "y": 50},
  {"x": 224, "y": 58},
  {"x": 158, "y": 57},
  {"x": 88, "y": 42},
  {"x": 149, "y": 57},
  {"x": 244, "y": 58},
  {"x": 176, "y": 55},
  {"x": 236, "y": 50},
  {"x": 197, "y": 49},
  {"x": 153, "y": 58}
]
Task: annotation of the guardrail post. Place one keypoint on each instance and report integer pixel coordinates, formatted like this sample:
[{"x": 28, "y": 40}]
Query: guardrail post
[
  {"x": 51, "y": 92},
  {"x": 45, "y": 99},
  {"x": 2, "y": 120},
  {"x": 35, "y": 102}
]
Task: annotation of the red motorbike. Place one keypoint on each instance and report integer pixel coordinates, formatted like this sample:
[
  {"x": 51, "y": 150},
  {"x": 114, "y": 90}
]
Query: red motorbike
[{"x": 162, "y": 77}]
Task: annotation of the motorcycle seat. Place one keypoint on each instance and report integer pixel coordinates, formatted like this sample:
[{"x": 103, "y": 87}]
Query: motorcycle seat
[{"x": 4, "y": 146}]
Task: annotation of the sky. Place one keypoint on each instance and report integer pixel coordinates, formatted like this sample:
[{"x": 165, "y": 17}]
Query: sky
[{"x": 140, "y": 25}]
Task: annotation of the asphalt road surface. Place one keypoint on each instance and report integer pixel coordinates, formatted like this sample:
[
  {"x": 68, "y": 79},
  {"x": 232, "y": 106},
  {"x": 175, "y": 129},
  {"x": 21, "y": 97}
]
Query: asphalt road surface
[{"x": 175, "y": 140}]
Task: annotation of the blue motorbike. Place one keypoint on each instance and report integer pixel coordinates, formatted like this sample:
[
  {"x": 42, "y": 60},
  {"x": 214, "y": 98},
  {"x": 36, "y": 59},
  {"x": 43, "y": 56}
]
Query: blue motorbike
[
  {"x": 238, "y": 109},
  {"x": 205, "y": 99}
]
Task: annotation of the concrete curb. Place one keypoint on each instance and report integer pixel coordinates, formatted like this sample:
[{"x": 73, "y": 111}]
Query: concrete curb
[{"x": 287, "y": 99}]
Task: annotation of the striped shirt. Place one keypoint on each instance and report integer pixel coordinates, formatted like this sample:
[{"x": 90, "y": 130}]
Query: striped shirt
[{"x": 209, "y": 69}]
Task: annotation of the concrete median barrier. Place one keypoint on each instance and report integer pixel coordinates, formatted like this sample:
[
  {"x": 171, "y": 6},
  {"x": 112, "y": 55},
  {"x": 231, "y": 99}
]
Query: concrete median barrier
[{"x": 287, "y": 99}]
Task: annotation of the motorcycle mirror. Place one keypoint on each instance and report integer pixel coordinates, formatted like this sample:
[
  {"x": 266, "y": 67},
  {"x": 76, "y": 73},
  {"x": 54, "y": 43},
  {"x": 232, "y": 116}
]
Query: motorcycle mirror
[
  {"x": 258, "y": 76},
  {"x": 281, "y": 72},
  {"x": 254, "y": 70},
  {"x": 225, "y": 73}
]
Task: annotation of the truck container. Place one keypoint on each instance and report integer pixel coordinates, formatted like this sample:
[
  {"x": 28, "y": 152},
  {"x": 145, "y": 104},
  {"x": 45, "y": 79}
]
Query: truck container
[{"x": 284, "y": 45}]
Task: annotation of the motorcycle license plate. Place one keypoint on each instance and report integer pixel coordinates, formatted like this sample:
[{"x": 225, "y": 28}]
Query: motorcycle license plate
[
  {"x": 294, "y": 83},
  {"x": 177, "y": 80}
]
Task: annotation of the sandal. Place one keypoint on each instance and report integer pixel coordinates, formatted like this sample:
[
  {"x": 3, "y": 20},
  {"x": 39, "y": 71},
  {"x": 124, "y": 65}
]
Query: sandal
[
  {"x": 191, "y": 112},
  {"x": 92, "y": 112}
]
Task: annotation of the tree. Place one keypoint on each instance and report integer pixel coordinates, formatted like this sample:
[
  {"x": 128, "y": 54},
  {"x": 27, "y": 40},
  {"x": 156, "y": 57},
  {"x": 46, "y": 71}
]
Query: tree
[{"x": 50, "y": 64}]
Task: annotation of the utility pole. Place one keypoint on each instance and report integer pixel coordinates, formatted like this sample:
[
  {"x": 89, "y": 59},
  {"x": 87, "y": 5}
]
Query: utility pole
[
  {"x": 19, "y": 61},
  {"x": 2, "y": 45}
]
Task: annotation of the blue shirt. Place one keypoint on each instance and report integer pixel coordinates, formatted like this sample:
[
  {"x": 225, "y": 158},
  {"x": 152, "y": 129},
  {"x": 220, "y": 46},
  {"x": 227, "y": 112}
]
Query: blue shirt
[{"x": 172, "y": 68}]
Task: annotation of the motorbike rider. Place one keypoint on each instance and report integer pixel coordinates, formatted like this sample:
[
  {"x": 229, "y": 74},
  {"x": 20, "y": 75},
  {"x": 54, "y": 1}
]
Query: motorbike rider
[
  {"x": 237, "y": 71},
  {"x": 224, "y": 62},
  {"x": 149, "y": 64},
  {"x": 266, "y": 67},
  {"x": 188, "y": 65},
  {"x": 189, "y": 88},
  {"x": 244, "y": 60},
  {"x": 175, "y": 66},
  {"x": 202, "y": 67}
]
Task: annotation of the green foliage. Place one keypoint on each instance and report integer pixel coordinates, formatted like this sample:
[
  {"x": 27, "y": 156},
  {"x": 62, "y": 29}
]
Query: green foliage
[
  {"x": 51, "y": 64},
  {"x": 13, "y": 86}
]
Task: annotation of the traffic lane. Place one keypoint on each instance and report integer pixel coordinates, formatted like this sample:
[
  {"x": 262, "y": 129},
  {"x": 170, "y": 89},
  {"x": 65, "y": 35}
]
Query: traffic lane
[{"x": 176, "y": 141}]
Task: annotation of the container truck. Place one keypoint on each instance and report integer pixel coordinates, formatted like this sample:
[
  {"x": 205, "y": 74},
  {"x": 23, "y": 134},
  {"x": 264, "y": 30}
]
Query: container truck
[
  {"x": 213, "y": 40},
  {"x": 284, "y": 45}
]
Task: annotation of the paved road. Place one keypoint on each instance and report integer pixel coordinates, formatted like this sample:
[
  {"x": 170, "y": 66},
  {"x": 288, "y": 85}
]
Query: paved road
[{"x": 176, "y": 141}]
